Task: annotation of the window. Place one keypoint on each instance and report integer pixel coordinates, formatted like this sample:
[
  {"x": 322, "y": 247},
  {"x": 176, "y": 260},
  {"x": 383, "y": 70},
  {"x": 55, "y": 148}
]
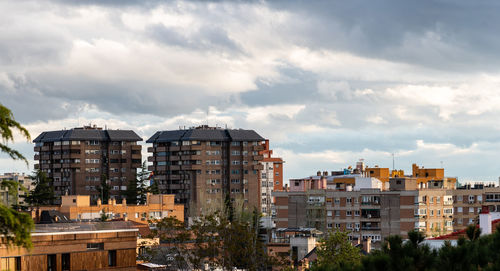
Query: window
[
  {"x": 459, "y": 198},
  {"x": 459, "y": 209},
  {"x": 471, "y": 198},
  {"x": 471, "y": 209},
  {"x": 277, "y": 174},
  {"x": 95, "y": 246},
  {"x": 337, "y": 200},
  {"x": 329, "y": 213},
  {"x": 337, "y": 225},
  {"x": 356, "y": 213},
  {"x": 235, "y": 152},
  {"x": 337, "y": 212},
  {"x": 349, "y": 200},
  {"x": 65, "y": 262},
  {"x": 112, "y": 258},
  {"x": 348, "y": 213},
  {"x": 51, "y": 262},
  {"x": 235, "y": 143}
]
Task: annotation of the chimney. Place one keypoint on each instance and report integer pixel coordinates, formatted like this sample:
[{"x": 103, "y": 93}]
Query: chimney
[
  {"x": 124, "y": 202},
  {"x": 319, "y": 173},
  {"x": 99, "y": 202},
  {"x": 325, "y": 173}
]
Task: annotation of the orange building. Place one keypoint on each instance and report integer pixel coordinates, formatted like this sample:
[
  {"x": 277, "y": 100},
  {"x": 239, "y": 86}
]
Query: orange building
[
  {"x": 77, "y": 207},
  {"x": 75, "y": 246}
]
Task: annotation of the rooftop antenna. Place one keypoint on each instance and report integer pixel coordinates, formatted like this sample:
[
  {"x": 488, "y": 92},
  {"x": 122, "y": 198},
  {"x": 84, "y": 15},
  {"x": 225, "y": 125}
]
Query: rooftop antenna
[{"x": 393, "y": 162}]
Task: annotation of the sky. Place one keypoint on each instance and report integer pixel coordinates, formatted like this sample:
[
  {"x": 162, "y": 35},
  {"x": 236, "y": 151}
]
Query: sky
[{"x": 327, "y": 82}]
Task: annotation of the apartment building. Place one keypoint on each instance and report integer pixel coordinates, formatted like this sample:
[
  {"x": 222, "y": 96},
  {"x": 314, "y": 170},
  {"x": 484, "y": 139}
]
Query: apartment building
[
  {"x": 79, "y": 208},
  {"x": 75, "y": 160},
  {"x": 75, "y": 246},
  {"x": 370, "y": 202},
  {"x": 201, "y": 165},
  {"x": 15, "y": 197},
  {"x": 271, "y": 180},
  {"x": 364, "y": 213}
]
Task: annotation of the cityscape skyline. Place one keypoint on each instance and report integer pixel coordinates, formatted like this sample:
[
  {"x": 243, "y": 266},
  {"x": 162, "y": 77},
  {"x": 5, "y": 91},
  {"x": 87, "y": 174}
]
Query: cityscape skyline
[{"x": 326, "y": 88}]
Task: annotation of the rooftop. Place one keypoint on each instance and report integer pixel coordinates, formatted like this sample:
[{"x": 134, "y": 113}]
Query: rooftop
[
  {"x": 82, "y": 227},
  {"x": 205, "y": 133},
  {"x": 86, "y": 133}
]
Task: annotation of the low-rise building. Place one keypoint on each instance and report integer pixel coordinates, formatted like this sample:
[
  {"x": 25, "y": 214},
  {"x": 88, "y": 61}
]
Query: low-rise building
[
  {"x": 75, "y": 246},
  {"x": 79, "y": 208}
]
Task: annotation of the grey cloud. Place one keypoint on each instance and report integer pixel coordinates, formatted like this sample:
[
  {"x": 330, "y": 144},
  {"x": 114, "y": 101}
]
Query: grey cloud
[{"x": 206, "y": 38}]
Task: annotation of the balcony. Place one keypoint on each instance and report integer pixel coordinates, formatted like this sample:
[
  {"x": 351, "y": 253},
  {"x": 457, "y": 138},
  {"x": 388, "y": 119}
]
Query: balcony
[
  {"x": 45, "y": 166},
  {"x": 136, "y": 147},
  {"x": 152, "y": 168},
  {"x": 136, "y": 156},
  {"x": 46, "y": 148},
  {"x": 37, "y": 157},
  {"x": 258, "y": 157},
  {"x": 45, "y": 157},
  {"x": 37, "y": 149},
  {"x": 370, "y": 228},
  {"x": 258, "y": 167},
  {"x": 37, "y": 166},
  {"x": 258, "y": 148},
  {"x": 174, "y": 167},
  {"x": 151, "y": 149},
  {"x": 174, "y": 158},
  {"x": 174, "y": 148},
  {"x": 151, "y": 158}
]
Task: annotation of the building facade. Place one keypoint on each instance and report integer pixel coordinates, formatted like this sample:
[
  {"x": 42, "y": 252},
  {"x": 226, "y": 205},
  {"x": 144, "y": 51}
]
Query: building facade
[
  {"x": 80, "y": 208},
  {"x": 204, "y": 164},
  {"x": 77, "y": 160},
  {"x": 75, "y": 246},
  {"x": 15, "y": 197},
  {"x": 271, "y": 180}
]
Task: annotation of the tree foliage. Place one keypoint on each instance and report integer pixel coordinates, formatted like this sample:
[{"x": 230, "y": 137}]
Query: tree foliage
[
  {"x": 136, "y": 188},
  {"x": 7, "y": 123},
  {"x": 335, "y": 250},
  {"x": 213, "y": 241},
  {"x": 15, "y": 227},
  {"x": 43, "y": 194},
  {"x": 104, "y": 189}
]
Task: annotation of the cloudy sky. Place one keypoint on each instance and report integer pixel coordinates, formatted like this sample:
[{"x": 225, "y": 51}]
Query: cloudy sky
[{"x": 327, "y": 82}]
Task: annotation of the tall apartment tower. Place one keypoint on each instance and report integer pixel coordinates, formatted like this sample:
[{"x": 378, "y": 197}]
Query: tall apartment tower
[
  {"x": 272, "y": 179},
  {"x": 204, "y": 164},
  {"x": 75, "y": 160}
]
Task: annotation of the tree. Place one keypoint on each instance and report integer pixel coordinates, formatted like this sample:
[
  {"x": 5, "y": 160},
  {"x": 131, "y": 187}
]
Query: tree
[
  {"x": 15, "y": 227},
  {"x": 7, "y": 122},
  {"x": 103, "y": 189},
  {"x": 43, "y": 193},
  {"x": 335, "y": 250},
  {"x": 136, "y": 188}
]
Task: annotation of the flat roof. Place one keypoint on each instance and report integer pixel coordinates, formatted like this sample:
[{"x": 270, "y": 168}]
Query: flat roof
[{"x": 83, "y": 227}]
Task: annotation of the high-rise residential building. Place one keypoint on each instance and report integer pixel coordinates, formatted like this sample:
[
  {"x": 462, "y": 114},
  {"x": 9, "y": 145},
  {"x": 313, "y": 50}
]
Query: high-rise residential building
[
  {"x": 271, "y": 180},
  {"x": 77, "y": 160},
  {"x": 203, "y": 165}
]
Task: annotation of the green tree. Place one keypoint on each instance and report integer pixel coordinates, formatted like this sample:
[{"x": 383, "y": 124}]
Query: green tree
[
  {"x": 137, "y": 189},
  {"x": 104, "y": 189},
  {"x": 335, "y": 251},
  {"x": 15, "y": 227},
  {"x": 43, "y": 194},
  {"x": 7, "y": 123}
]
